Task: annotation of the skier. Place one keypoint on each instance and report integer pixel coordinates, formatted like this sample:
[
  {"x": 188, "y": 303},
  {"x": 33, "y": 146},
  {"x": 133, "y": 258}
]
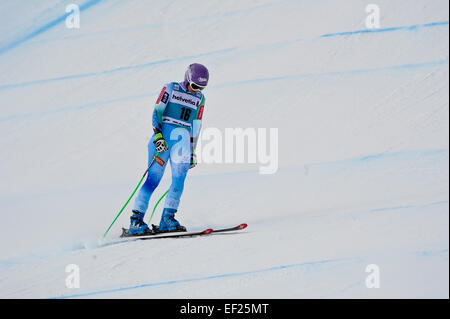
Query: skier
[{"x": 176, "y": 124}]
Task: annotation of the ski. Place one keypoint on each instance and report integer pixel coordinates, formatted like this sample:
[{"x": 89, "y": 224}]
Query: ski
[
  {"x": 222, "y": 230},
  {"x": 125, "y": 234},
  {"x": 207, "y": 231}
]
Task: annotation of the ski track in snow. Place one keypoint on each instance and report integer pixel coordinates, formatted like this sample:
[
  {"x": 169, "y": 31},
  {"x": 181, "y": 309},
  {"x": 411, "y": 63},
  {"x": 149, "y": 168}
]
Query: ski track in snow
[
  {"x": 174, "y": 282},
  {"x": 150, "y": 96},
  {"x": 231, "y": 50},
  {"x": 363, "y": 173},
  {"x": 48, "y": 26}
]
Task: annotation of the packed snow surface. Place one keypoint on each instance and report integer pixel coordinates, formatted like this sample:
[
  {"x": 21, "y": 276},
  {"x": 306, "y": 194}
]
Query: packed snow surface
[{"x": 362, "y": 180}]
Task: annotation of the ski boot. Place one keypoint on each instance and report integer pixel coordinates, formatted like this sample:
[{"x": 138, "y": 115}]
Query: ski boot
[
  {"x": 137, "y": 224},
  {"x": 168, "y": 222}
]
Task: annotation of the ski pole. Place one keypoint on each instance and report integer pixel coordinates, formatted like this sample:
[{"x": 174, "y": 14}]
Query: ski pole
[
  {"x": 156, "y": 205},
  {"x": 139, "y": 184}
]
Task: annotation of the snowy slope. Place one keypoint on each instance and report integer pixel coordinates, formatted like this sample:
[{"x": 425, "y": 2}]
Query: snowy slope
[{"x": 363, "y": 123}]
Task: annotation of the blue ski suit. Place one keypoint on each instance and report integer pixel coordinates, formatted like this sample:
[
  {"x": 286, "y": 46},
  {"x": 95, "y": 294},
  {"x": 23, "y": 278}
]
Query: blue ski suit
[{"x": 178, "y": 116}]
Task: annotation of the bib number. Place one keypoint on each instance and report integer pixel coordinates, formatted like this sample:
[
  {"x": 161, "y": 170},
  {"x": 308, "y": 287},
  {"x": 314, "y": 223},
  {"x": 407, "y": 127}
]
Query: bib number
[{"x": 185, "y": 114}]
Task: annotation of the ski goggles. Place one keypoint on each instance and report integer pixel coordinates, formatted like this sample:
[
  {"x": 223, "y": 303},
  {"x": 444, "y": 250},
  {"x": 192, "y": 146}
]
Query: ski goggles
[{"x": 196, "y": 87}]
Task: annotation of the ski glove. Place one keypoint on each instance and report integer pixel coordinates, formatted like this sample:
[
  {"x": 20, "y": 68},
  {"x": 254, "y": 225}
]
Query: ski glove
[
  {"x": 193, "y": 160},
  {"x": 160, "y": 143}
]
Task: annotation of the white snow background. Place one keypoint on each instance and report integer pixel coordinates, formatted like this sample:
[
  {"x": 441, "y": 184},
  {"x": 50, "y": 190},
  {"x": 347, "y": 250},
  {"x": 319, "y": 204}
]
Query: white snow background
[{"x": 363, "y": 122}]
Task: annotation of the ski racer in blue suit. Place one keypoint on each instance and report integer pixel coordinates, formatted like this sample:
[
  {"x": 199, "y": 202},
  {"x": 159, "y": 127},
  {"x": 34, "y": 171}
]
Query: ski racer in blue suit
[{"x": 176, "y": 124}]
